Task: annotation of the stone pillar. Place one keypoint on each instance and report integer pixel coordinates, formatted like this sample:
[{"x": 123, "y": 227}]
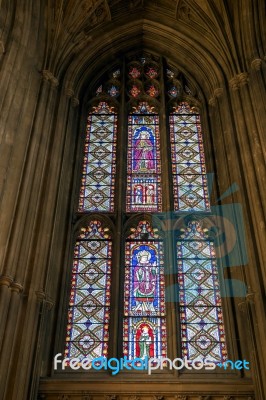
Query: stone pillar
[
  {"x": 227, "y": 160},
  {"x": 25, "y": 232},
  {"x": 250, "y": 162},
  {"x": 12, "y": 329}
]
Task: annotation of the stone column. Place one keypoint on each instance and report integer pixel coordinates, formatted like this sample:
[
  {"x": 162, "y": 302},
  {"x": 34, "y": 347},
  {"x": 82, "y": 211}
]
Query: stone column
[
  {"x": 250, "y": 161},
  {"x": 12, "y": 329},
  {"x": 29, "y": 207}
]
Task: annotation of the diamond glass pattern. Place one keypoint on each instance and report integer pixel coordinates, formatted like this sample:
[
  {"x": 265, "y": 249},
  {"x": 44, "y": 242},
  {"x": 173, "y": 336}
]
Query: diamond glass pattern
[
  {"x": 188, "y": 162},
  {"x": 201, "y": 318},
  {"x": 89, "y": 305},
  {"x": 98, "y": 174}
]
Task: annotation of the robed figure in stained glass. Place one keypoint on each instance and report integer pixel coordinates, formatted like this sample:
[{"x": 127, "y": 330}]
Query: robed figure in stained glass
[
  {"x": 143, "y": 153},
  {"x": 145, "y": 278},
  {"x": 144, "y": 341}
]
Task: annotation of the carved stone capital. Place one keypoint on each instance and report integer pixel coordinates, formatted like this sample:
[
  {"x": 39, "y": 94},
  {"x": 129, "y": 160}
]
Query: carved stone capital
[
  {"x": 234, "y": 83},
  {"x": 256, "y": 64},
  {"x": 40, "y": 295},
  {"x": 111, "y": 397},
  {"x": 183, "y": 11},
  {"x": 75, "y": 101},
  {"x": 86, "y": 396},
  {"x": 135, "y": 397},
  {"x": 250, "y": 297},
  {"x": 218, "y": 92},
  {"x": 54, "y": 82},
  {"x": 49, "y": 77},
  {"x": 228, "y": 397},
  {"x": 243, "y": 78},
  {"x": 181, "y": 397},
  {"x": 46, "y": 75},
  {"x": 158, "y": 397},
  {"x": 63, "y": 397},
  {"x": 16, "y": 287},
  {"x": 242, "y": 306},
  {"x": 5, "y": 280},
  {"x": 212, "y": 101},
  {"x": 69, "y": 92},
  {"x": 49, "y": 303}
]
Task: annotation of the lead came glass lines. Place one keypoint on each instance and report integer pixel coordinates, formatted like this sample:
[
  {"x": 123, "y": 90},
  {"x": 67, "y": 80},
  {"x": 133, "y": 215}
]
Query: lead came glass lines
[
  {"x": 201, "y": 317},
  {"x": 98, "y": 174},
  {"x": 144, "y": 330},
  {"x": 144, "y": 163},
  {"x": 89, "y": 306},
  {"x": 188, "y": 162}
]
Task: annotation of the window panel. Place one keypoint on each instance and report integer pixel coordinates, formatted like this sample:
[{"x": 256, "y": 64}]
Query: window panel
[
  {"x": 144, "y": 162},
  {"x": 89, "y": 306},
  {"x": 188, "y": 163},
  {"x": 144, "y": 328},
  {"x": 201, "y": 318},
  {"x": 98, "y": 175}
]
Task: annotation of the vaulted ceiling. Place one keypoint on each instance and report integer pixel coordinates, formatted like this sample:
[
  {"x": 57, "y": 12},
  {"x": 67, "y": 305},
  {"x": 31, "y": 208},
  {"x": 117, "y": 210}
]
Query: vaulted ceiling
[
  {"x": 211, "y": 40},
  {"x": 201, "y": 36}
]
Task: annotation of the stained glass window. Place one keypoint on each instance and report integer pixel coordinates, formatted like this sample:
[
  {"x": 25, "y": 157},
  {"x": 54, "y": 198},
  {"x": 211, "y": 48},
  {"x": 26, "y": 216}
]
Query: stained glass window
[
  {"x": 134, "y": 72},
  {"x": 201, "y": 317},
  {"x": 152, "y": 91},
  {"x": 198, "y": 312},
  {"x": 151, "y": 72},
  {"x": 144, "y": 328},
  {"x": 113, "y": 91},
  {"x": 98, "y": 175},
  {"x": 173, "y": 91},
  {"x": 99, "y": 90},
  {"x": 188, "y": 162},
  {"x": 134, "y": 91},
  {"x": 144, "y": 163},
  {"x": 89, "y": 306}
]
